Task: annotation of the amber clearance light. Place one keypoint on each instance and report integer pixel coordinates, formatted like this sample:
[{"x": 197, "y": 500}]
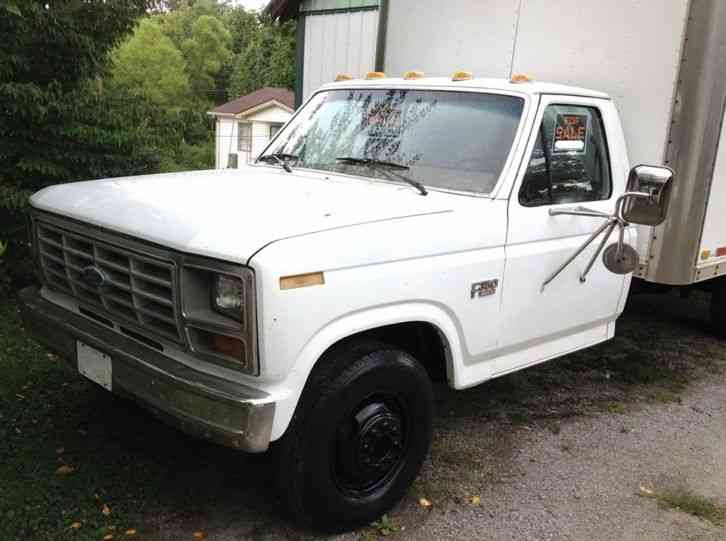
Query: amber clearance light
[
  {"x": 462, "y": 76},
  {"x": 302, "y": 280}
]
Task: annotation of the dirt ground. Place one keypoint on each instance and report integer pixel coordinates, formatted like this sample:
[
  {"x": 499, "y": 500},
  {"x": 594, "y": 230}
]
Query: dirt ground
[{"x": 580, "y": 448}]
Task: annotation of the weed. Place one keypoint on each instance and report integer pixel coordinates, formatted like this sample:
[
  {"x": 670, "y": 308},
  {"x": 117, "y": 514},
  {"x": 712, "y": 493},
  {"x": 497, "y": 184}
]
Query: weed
[
  {"x": 386, "y": 526},
  {"x": 616, "y": 407},
  {"x": 686, "y": 501}
]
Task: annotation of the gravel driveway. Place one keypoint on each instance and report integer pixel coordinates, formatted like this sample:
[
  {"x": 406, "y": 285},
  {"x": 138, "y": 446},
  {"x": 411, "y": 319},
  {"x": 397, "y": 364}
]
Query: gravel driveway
[{"x": 559, "y": 451}]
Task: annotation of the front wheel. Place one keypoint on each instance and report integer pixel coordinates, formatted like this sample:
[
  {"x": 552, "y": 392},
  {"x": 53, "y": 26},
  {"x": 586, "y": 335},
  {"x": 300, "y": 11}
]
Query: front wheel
[{"x": 358, "y": 438}]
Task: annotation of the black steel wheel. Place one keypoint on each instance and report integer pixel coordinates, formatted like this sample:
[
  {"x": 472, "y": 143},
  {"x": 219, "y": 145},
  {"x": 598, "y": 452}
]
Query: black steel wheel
[{"x": 359, "y": 436}]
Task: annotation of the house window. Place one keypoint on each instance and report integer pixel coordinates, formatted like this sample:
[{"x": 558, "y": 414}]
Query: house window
[
  {"x": 274, "y": 128},
  {"x": 244, "y": 137}
]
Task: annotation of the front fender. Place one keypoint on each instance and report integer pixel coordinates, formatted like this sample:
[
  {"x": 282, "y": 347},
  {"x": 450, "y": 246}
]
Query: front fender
[{"x": 365, "y": 320}]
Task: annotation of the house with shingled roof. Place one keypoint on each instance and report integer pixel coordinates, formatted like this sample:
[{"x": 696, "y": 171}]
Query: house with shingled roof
[{"x": 244, "y": 126}]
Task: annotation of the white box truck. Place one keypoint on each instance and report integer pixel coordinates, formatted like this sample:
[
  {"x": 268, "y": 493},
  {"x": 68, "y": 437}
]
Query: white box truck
[{"x": 397, "y": 229}]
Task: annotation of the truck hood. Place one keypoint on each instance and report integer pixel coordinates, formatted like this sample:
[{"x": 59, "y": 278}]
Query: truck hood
[{"x": 230, "y": 214}]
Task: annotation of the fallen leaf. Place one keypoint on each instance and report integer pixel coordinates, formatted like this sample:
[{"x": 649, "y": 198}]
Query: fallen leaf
[
  {"x": 423, "y": 502},
  {"x": 107, "y": 537},
  {"x": 198, "y": 536},
  {"x": 76, "y": 525},
  {"x": 131, "y": 532},
  {"x": 476, "y": 500},
  {"x": 20, "y": 396},
  {"x": 646, "y": 491},
  {"x": 106, "y": 510},
  {"x": 65, "y": 469}
]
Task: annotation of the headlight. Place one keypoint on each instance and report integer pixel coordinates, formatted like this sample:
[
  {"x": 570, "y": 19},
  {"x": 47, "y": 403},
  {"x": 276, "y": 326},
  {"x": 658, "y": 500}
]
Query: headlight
[
  {"x": 218, "y": 305},
  {"x": 228, "y": 296}
]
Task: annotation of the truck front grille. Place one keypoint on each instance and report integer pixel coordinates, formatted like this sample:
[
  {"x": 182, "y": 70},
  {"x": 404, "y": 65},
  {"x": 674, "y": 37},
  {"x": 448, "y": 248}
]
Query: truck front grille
[{"x": 138, "y": 289}]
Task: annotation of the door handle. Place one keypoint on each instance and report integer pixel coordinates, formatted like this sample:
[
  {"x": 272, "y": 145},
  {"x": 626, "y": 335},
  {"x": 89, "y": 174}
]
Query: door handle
[{"x": 578, "y": 211}]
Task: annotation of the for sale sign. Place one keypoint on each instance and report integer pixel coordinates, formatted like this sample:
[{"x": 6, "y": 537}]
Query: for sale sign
[{"x": 570, "y": 133}]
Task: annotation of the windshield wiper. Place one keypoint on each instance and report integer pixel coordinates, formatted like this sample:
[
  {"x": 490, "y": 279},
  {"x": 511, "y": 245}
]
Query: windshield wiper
[
  {"x": 280, "y": 158},
  {"x": 391, "y": 165}
]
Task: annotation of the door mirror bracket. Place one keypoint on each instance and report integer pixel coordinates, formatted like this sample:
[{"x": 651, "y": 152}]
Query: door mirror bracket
[{"x": 645, "y": 202}]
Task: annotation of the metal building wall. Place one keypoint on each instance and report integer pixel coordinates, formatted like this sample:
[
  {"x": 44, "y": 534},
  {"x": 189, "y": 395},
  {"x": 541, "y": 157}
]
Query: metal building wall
[{"x": 335, "y": 43}]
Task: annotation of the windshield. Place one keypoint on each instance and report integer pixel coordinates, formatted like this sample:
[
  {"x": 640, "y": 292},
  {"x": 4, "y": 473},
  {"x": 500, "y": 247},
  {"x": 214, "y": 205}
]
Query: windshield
[{"x": 446, "y": 139}]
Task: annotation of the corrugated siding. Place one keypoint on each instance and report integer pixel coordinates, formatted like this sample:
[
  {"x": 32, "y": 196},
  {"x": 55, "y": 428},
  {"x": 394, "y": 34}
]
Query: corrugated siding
[
  {"x": 321, "y": 5},
  {"x": 338, "y": 43}
]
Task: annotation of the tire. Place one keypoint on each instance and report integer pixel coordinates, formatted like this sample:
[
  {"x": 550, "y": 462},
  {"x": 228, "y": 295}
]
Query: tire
[
  {"x": 359, "y": 436},
  {"x": 718, "y": 307}
]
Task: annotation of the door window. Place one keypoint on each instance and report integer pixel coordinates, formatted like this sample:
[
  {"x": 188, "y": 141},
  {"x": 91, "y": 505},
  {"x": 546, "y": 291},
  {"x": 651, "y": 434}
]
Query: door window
[{"x": 570, "y": 162}]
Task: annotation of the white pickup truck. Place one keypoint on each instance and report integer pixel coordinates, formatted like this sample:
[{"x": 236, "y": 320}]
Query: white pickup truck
[{"x": 395, "y": 230}]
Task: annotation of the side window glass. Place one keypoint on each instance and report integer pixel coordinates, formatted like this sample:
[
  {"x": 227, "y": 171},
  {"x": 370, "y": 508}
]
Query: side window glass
[{"x": 570, "y": 161}]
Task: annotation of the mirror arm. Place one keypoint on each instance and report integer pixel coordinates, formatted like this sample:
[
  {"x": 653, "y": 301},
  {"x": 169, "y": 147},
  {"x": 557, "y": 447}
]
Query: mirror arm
[{"x": 608, "y": 223}]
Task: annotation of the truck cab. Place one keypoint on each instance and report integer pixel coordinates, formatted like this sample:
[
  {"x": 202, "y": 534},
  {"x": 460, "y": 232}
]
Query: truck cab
[{"x": 393, "y": 231}]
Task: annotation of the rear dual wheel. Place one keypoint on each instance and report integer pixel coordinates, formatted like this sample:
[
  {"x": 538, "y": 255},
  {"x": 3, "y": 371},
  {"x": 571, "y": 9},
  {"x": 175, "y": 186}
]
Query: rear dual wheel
[
  {"x": 718, "y": 306},
  {"x": 359, "y": 436}
]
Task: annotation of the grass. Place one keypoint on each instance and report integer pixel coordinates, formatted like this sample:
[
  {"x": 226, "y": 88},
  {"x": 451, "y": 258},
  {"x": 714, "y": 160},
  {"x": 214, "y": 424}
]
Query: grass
[
  {"x": 684, "y": 500},
  {"x": 148, "y": 475}
]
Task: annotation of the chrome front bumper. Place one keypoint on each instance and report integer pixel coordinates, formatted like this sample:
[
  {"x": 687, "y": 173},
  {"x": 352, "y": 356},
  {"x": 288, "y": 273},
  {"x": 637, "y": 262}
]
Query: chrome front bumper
[{"x": 202, "y": 405}]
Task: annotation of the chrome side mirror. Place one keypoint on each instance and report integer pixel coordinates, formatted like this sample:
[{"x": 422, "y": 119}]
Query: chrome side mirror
[
  {"x": 648, "y": 192},
  {"x": 645, "y": 202}
]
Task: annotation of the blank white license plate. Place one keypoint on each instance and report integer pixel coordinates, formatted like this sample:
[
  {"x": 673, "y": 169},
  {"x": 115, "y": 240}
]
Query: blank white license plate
[{"x": 94, "y": 364}]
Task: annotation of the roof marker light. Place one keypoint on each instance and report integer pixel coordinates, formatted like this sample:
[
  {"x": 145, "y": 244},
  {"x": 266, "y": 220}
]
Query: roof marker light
[
  {"x": 343, "y": 77},
  {"x": 520, "y": 78},
  {"x": 375, "y": 75},
  {"x": 462, "y": 76},
  {"x": 413, "y": 75}
]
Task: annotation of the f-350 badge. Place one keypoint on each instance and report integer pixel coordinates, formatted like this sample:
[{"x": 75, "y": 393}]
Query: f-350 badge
[{"x": 484, "y": 289}]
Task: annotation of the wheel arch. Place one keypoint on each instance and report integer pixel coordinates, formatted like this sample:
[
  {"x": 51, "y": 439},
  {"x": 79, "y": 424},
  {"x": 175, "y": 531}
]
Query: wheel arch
[{"x": 399, "y": 326}]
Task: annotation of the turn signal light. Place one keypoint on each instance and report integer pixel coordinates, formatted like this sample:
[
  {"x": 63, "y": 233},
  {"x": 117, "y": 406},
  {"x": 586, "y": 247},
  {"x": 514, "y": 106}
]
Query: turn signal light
[
  {"x": 228, "y": 346},
  {"x": 412, "y": 75},
  {"x": 343, "y": 77},
  {"x": 375, "y": 75},
  {"x": 520, "y": 78},
  {"x": 462, "y": 76}
]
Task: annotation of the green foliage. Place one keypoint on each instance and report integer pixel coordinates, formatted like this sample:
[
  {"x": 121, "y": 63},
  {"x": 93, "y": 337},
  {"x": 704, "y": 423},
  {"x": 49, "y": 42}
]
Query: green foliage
[
  {"x": 200, "y": 32},
  {"x": 150, "y": 65},
  {"x": 267, "y": 60},
  {"x": 80, "y": 103},
  {"x": 206, "y": 52},
  {"x": 54, "y": 126}
]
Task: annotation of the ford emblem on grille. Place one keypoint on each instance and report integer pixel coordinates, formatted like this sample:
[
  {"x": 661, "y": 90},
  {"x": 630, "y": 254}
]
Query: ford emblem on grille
[{"x": 93, "y": 276}]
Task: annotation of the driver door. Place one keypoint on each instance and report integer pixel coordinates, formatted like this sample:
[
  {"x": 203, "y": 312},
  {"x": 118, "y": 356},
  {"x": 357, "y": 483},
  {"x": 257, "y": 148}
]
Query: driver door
[{"x": 570, "y": 164}]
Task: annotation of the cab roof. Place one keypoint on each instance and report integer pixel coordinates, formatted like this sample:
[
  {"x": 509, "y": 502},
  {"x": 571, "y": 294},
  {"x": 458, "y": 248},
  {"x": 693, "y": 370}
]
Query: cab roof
[{"x": 529, "y": 87}]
